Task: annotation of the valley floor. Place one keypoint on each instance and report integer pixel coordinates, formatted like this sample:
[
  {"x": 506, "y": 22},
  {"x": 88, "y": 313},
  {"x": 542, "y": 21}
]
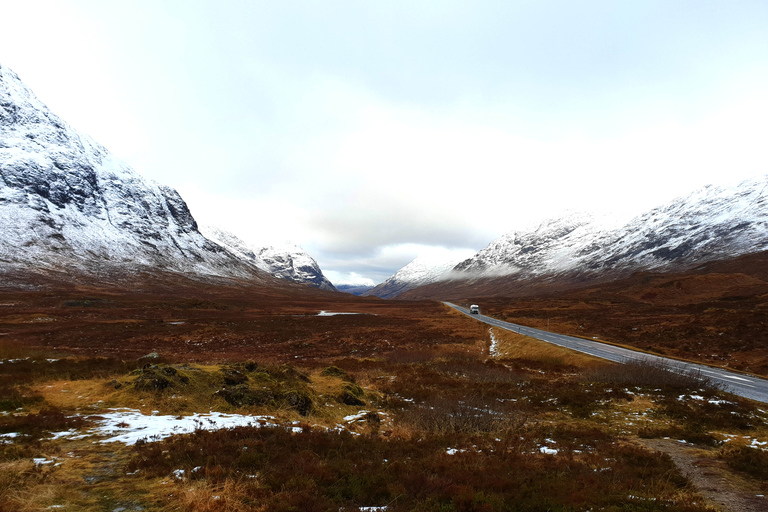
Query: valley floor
[{"x": 235, "y": 399}]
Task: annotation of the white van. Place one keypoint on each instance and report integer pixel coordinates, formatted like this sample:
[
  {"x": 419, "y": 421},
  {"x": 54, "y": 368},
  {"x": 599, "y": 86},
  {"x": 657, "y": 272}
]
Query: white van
[{"x": 474, "y": 309}]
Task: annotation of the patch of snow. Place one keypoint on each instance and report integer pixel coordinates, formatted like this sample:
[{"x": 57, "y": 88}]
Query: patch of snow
[
  {"x": 354, "y": 417},
  {"x": 128, "y": 426},
  {"x": 494, "y": 350},
  {"x": 8, "y": 438}
]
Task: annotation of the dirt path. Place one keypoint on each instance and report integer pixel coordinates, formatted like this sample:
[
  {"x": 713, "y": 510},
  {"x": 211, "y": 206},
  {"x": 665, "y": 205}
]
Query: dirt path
[{"x": 711, "y": 477}]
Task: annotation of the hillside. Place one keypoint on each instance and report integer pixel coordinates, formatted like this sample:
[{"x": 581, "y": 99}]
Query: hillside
[{"x": 712, "y": 223}]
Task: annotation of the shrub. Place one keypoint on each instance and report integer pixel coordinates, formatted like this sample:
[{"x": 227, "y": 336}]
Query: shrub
[
  {"x": 650, "y": 374},
  {"x": 319, "y": 470},
  {"x": 706, "y": 413},
  {"x": 240, "y": 396},
  {"x": 748, "y": 460},
  {"x": 51, "y": 419},
  {"x": 473, "y": 415}
]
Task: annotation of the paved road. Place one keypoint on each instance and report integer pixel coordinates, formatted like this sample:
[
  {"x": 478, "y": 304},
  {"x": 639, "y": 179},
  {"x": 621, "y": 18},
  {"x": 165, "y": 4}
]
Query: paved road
[{"x": 737, "y": 383}]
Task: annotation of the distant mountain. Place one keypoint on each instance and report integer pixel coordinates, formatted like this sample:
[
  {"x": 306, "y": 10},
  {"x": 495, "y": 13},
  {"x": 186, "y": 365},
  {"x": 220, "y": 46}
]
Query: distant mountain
[
  {"x": 69, "y": 206},
  {"x": 419, "y": 272},
  {"x": 354, "y": 289},
  {"x": 286, "y": 261},
  {"x": 712, "y": 223}
]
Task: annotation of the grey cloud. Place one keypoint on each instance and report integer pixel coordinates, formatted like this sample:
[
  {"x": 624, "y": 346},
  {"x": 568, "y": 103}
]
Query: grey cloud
[{"x": 352, "y": 230}]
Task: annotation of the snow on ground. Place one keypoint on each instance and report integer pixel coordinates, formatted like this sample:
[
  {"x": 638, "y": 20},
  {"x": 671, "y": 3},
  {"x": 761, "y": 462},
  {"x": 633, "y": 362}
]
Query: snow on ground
[
  {"x": 494, "y": 344},
  {"x": 354, "y": 417},
  {"x": 128, "y": 425}
]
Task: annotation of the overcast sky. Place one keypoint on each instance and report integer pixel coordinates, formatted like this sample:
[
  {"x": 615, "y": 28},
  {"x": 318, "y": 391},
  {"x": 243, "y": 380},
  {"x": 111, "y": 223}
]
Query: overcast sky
[{"x": 372, "y": 132}]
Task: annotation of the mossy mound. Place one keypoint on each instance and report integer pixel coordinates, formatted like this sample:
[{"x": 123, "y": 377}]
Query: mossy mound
[
  {"x": 158, "y": 378},
  {"x": 351, "y": 394},
  {"x": 299, "y": 400},
  {"x": 335, "y": 371}
]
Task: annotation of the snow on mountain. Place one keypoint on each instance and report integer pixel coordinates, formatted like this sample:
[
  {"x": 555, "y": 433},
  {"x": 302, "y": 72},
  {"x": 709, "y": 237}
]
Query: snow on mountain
[
  {"x": 422, "y": 270},
  {"x": 286, "y": 261},
  {"x": 711, "y": 223},
  {"x": 548, "y": 247},
  {"x": 67, "y": 204}
]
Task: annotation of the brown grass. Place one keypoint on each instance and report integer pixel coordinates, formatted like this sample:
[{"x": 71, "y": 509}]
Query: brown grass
[
  {"x": 520, "y": 347},
  {"x": 423, "y": 373}
]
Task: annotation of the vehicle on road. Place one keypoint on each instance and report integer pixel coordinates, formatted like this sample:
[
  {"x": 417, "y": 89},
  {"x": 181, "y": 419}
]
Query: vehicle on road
[{"x": 474, "y": 309}]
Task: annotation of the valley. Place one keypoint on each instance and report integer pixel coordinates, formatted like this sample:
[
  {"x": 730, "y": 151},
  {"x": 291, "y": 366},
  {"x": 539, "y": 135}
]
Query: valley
[{"x": 149, "y": 363}]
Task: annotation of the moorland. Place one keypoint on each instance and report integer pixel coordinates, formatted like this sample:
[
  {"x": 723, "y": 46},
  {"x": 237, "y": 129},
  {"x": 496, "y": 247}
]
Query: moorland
[{"x": 393, "y": 405}]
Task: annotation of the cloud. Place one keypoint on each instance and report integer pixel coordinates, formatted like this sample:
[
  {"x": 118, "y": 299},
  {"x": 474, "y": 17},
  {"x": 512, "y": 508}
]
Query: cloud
[{"x": 349, "y": 278}]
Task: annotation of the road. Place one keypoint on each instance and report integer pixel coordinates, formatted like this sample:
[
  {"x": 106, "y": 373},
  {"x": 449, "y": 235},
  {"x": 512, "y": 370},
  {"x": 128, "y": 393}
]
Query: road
[{"x": 736, "y": 383}]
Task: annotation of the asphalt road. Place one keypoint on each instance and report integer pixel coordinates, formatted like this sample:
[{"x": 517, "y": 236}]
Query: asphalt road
[{"x": 737, "y": 383}]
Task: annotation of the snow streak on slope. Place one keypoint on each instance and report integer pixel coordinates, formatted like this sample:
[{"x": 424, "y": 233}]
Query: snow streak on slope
[{"x": 67, "y": 203}]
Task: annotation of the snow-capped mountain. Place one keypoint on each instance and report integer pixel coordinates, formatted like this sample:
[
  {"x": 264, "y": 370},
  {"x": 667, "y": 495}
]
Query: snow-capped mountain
[
  {"x": 419, "y": 272},
  {"x": 67, "y": 204},
  {"x": 547, "y": 248},
  {"x": 286, "y": 261},
  {"x": 711, "y": 223}
]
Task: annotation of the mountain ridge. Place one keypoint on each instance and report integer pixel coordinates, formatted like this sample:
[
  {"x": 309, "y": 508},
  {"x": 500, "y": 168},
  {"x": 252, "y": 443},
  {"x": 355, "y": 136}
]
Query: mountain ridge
[{"x": 710, "y": 223}]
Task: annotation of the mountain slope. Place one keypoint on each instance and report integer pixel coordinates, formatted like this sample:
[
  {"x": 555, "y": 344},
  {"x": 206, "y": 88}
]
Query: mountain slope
[
  {"x": 712, "y": 223},
  {"x": 67, "y": 204},
  {"x": 419, "y": 272},
  {"x": 286, "y": 261}
]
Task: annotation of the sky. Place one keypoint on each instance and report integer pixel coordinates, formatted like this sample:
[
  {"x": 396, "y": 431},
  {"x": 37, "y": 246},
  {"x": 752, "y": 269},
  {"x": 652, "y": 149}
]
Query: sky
[{"x": 371, "y": 133}]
